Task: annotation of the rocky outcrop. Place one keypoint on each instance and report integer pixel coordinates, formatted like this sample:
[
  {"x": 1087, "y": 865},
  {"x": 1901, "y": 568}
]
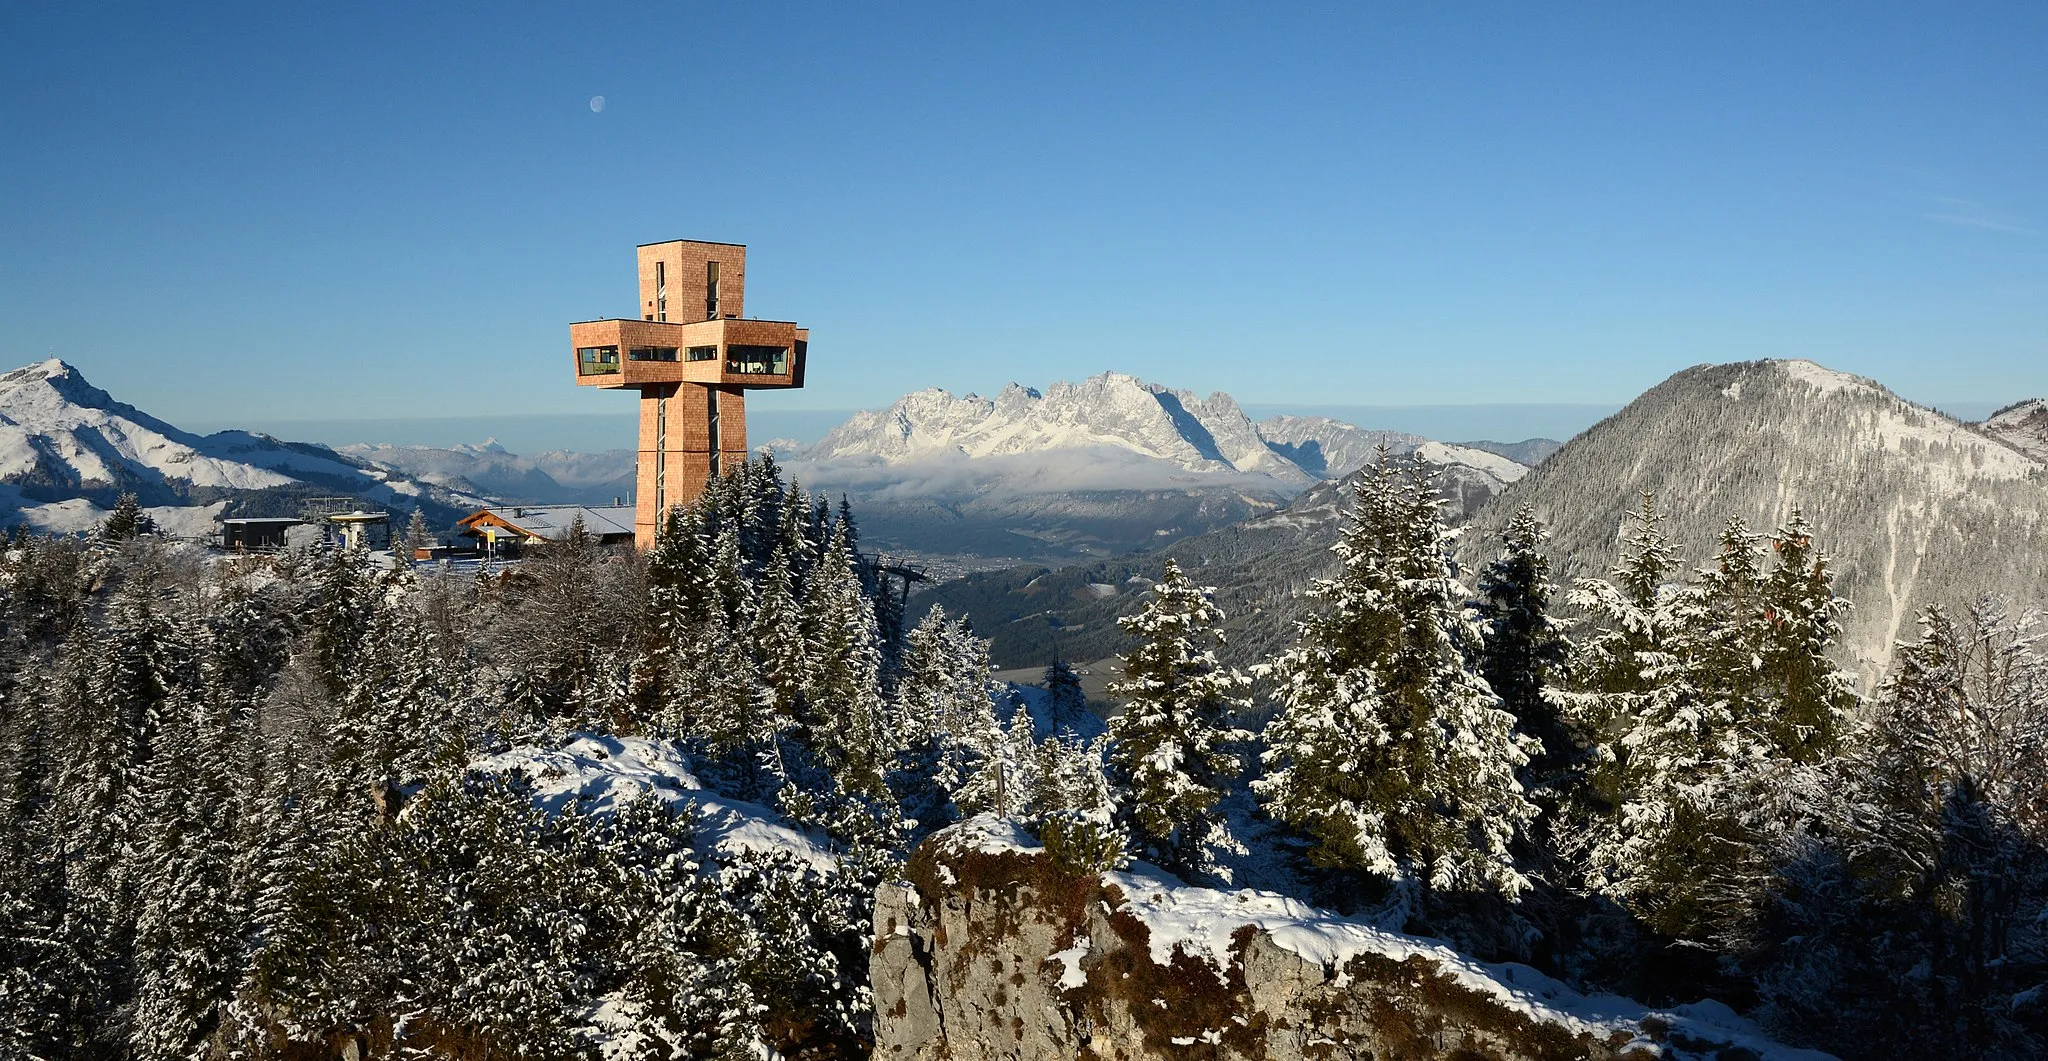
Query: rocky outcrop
[{"x": 993, "y": 949}]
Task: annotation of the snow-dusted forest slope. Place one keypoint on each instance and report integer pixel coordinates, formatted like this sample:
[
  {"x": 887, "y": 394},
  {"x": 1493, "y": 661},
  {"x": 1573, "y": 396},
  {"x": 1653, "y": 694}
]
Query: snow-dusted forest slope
[{"x": 1914, "y": 507}]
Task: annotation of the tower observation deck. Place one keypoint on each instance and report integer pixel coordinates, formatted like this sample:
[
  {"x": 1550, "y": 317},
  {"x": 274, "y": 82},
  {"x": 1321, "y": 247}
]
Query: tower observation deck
[{"x": 692, "y": 354}]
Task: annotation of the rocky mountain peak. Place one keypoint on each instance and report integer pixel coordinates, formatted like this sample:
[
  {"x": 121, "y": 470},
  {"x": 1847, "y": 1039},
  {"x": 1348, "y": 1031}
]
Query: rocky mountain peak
[{"x": 50, "y": 384}]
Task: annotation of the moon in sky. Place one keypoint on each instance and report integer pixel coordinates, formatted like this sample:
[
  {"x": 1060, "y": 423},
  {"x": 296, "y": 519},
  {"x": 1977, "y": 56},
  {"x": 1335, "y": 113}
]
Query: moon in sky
[{"x": 596, "y": 104}]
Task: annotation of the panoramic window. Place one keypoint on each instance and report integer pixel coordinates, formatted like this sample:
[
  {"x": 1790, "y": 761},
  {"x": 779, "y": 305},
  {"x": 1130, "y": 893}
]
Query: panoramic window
[
  {"x": 597, "y": 360},
  {"x": 757, "y": 360},
  {"x": 651, "y": 353},
  {"x": 703, "y": 353}
]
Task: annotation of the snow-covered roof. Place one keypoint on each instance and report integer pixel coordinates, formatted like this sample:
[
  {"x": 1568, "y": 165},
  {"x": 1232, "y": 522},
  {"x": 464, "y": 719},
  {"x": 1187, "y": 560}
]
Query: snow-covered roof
[{"x": 552, "y": 522}]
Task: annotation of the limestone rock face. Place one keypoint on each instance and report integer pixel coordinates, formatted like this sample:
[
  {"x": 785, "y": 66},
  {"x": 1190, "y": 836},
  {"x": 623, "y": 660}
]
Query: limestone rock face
[{"x": 991, "y": 953}]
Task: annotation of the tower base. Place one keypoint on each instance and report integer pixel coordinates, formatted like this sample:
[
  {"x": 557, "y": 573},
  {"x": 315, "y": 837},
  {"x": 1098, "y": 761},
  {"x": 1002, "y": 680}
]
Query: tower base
[{"x": 688, "y": 433}]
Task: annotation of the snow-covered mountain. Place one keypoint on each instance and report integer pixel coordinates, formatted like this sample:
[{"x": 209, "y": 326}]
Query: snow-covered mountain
[
  {"x": 1144, "y": 430},
  {"x": 2023, "y": 426},
  {"x": 68, "y": 450},
  {"x": 1330, "y": 449},
  {"x": 1914, "y": 507},
  {"x": 487, "y": 468},
  {"x": 1089, "y": 469},
  {"x": 1111, "y": 412}
]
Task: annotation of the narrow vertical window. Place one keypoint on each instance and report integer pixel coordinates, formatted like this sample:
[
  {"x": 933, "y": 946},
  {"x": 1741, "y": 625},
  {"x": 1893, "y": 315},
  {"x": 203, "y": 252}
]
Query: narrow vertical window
[
  {"x": 711, "y": 412},
  {"x": 661, "y": 291},
  {"x": 710, "y": 290}
]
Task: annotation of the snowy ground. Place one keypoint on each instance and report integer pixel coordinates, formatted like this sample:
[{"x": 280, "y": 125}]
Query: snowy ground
[{"x": 598, "y": 774}]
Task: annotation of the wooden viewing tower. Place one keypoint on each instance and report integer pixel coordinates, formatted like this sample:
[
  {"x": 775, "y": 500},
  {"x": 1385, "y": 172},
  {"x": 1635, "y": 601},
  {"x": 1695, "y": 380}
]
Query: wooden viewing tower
[{"x": 692, "y": 355}]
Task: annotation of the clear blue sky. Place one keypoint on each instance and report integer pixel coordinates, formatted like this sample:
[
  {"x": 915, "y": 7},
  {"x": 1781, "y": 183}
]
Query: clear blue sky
[{"x": 286, "y": 210}]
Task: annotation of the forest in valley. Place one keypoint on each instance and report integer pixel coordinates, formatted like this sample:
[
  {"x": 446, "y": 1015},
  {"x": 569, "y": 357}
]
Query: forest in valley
[{"x": 257, "y": 806}]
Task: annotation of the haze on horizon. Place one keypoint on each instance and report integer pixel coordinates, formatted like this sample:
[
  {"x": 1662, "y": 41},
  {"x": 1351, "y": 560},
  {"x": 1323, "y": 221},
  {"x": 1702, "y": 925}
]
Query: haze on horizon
[{"x": 246, "y": 213}]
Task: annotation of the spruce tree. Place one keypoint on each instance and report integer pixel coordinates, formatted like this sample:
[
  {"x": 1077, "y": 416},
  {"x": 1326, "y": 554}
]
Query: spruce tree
[
  {"x": 1069, "y": 702},
  {"x": 942, "y": 708},
  {"x": 338, "y": 625},
  {"x": 678, "y": 567},
  {"x": 777, "y": 635},
  {"x": 1524, "y": 648},
  {"x": 844, "y": 717},
  {"x": 187, "y": 945},
  {"x": 1170, "y": 746},
  {"x": 127, "y": 520},
  {"x": 1945, "y": 836},
  {"x": 1690, "y": 782},
  {"x": 1391, "y": 755},
  {"x": 1802, "y": 621}
]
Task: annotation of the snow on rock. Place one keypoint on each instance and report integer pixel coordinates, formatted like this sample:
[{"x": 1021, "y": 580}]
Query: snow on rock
[
  {"x": 598, "y": 774},
  {"x": 989, "y": 834},
  {"x": 1114, "y": 416},
  {"x": 48, "y": 412},
  {"x": 997, "y": 956},
  {"x": 1069, "y": 961},
  {"x": 1331, "y": 448},
  {"x": 1202, "y": 921}
]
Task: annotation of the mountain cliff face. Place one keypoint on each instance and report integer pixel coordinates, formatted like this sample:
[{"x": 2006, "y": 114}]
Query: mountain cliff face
[
  {"x": 68, "y": 450},
  {"x": 1330, "y": 449},
  {"x": 1914, "y": 508},
  {"x": 993, "y": 949},
  {"x": 2023, "y": 426}
]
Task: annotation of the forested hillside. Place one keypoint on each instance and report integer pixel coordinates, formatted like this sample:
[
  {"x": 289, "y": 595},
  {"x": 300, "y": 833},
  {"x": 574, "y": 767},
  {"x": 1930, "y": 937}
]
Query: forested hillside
[{"x": 279, "y": 806}]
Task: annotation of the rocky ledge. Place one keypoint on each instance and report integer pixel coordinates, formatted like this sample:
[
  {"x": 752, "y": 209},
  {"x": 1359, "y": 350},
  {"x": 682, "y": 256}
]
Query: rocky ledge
[{"x": 993, "y": 949}]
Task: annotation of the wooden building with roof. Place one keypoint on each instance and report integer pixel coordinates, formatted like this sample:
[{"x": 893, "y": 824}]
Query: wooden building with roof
[{"x": 519, "y": 526}]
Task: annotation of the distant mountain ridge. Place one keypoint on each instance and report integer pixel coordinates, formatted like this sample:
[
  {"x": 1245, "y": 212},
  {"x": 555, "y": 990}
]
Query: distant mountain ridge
[
  {"x": 487, "y": 468},
  {"x": 1097, "y": 468},
  {"x": 1110, "y": 410},
  {"x": 68, "y": 450},
  {"x": 1122, "y": 414}
]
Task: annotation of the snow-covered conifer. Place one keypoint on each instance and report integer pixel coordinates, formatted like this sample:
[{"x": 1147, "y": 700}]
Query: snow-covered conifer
[
  {"x": 844, "y": 715},
  {"x": 943, "y": 712},
  {"x": 127, "y": 520},
  {"x": 1170, "y": 748},
  {"x": 1816, "y": 698},
  {"x": 1069, "y": 702},
  {"x": 1524, "y": 648},
  {"x": 1391, "y": 754}
]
